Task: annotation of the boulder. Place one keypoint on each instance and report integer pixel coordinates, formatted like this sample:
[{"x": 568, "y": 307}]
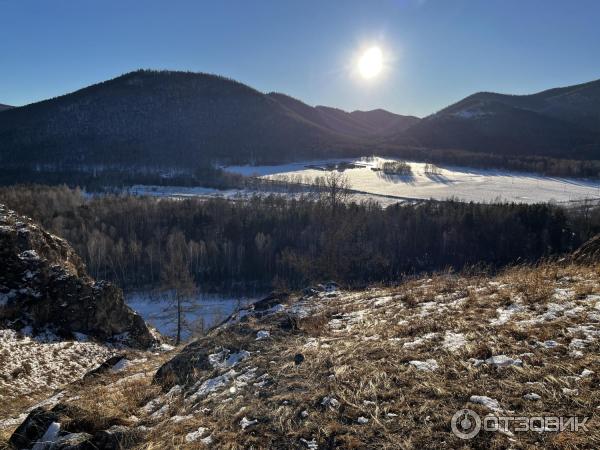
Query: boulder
[
  {"x": 74, "y": 429},
  {"x": 589, "y": 252},
  {"x": 104, "y": 367},
  {"x": 44, "y": 284},
  {"x": 270, "y": 301},
  {"x": 182, "y": 368},
  {"x": 33, "y": 428},
  {"x": 72, "y": 441}
]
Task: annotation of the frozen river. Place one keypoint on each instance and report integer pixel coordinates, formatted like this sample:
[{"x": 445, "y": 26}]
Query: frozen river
[{"x": 201, "y": 311}]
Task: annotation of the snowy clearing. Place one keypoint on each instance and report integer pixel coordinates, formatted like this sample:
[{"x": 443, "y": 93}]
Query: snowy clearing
[{"x": 448, "y": 182}]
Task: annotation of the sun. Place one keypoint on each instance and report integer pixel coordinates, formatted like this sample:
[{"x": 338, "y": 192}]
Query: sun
[{"x": 371, "y": 63}]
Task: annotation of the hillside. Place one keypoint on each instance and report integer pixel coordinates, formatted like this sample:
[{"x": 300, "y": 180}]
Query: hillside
[
  {"x": 5, "y": 107},
  {"x": 365, "y": 124},
  {"x": 377, "y": 368},
  {"x": 562, "y": 122},
  {"x": 149, "y": 118},
  {"x": 57, "y": 325}
]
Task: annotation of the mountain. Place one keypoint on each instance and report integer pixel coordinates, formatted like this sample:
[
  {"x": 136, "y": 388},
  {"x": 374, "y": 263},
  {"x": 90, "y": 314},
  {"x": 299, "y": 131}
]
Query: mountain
[
  {"x": 385, "y": 122},
  {"x": 562, "y": 122},
  {"x": 5, "y": 107},
  {"x": 149, "y": 118},
  {"x": 363, "y": 124}
]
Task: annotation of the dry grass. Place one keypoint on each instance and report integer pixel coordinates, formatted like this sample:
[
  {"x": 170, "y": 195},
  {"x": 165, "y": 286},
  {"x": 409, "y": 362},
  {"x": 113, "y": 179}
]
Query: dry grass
[{"x": 357, "y": 348}]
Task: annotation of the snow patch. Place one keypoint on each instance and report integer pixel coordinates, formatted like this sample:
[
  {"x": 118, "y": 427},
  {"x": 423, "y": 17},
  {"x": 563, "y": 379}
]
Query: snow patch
[
  {"x": 488, "y": 402},
  {"x": 428, "y": 365},
  {"x": 195, "y": 435},
  {"x": 454, "y": 341},
  {"x": 262, "y": 334}
]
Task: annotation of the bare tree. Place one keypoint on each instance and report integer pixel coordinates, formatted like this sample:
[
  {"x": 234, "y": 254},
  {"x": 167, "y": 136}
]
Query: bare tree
[
  {"x": 176, "y": 277},
  {"x": 432, "y": 169},
  {"x": 334, "y": 189}
]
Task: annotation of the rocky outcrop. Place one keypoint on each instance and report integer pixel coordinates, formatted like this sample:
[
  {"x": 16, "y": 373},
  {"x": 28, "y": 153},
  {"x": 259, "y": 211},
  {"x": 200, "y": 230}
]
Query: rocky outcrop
[
  {"x": 69, "y": 427},
  {"x": 44, "y": 285},
  {"x": 589, "y": 252}
]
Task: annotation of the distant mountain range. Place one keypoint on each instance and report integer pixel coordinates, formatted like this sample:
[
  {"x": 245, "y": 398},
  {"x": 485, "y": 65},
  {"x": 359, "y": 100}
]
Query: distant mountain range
[
  {"x": 366, "y": 124},
  {"x": 562, "y": 123},
  {"x": 5, "y": 107},
  {"x": 183, "y": 119}
]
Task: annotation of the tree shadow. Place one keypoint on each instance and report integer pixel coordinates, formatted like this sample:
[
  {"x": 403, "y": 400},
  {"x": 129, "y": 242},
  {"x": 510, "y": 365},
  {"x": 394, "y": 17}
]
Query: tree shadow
[
  {"x": 438, "y": 178},
  {"x": 396, "y": 179}
]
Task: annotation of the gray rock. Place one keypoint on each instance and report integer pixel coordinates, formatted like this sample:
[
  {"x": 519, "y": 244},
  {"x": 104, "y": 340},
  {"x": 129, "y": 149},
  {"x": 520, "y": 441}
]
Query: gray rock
[
  {"x": 72, "y": 441},
  {"x": 33, "y": 428},
  {"x": 50, "y": 288}
]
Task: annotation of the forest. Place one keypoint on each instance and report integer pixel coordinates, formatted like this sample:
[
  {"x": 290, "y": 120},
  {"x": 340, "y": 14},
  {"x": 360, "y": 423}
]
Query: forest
[{"x": 277, "y": 242}]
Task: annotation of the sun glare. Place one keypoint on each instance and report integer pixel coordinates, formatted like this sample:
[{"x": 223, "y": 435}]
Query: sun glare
[{"x": 371, "y": 62}]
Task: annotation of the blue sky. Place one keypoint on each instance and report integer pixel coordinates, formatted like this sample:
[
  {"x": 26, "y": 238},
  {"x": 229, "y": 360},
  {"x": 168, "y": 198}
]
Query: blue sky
[{"x": 436, "y": 51}]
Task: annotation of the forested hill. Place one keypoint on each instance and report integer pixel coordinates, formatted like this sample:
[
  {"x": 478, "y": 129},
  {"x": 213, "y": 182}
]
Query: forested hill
[
  {"x": 562, "y": 123},
  {"x": 372, "y": 124},
  {"x": 162, "y": 119},
  {"x": 149, "y": 118}
]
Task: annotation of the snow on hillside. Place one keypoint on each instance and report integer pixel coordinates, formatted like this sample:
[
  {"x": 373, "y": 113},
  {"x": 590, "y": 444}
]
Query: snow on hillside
[
  {"x": 371, "y": 368},
  {"x": 449, "y": 182},
  {"x": 43, "y": 362}
]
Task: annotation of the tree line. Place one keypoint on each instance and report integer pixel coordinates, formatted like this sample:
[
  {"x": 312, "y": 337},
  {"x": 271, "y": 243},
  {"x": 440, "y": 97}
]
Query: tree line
[{"x": 265, "y": 242}]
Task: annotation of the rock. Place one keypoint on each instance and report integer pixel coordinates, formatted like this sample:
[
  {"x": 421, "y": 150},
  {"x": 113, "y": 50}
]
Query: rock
[
  {"x": 50, "y": 288},
  {"x": 428, "y": 366},
  {"x": 104, "y": 367},
  {"x": 312, "y": 444},
  {"x": 298, "y": 358},
  {"x": 270, "y": 301},
  {"x": 49, "y": 437},
  {"x": 327, "y": 289},
  {"x": 330, "y": 401},
  {"x": 309, "y": 292},
  {"x": 549, "y": 344},
  {"x": 181, "y": 368},
  {"x": 245, "y": 422},
  {"x": 488, "y": 402},
  {"x": 589, "y": 252},
  {"x": 532, "y": 396},
  {"x": 503, "y": 361},
  {"x": 262, "y": 334},
  {"x": 72, "y": 441},
  {"x": 33, "y": 428},
  {"x": 116, "y": 438},
  {"x": 329, "y": 286},
  {"x": 362, "y": 420},
  {"x": 195, "y": 435}
]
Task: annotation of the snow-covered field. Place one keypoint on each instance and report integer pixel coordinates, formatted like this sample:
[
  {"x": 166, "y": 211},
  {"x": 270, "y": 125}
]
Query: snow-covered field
[
  {"x": 200, "y": 312},
  {"x": 450, "y": 182}
]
